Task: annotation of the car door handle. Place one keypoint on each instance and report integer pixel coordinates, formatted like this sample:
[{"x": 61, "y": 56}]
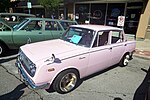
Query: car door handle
[
  {"x": 40, "y": 32},
  {"x": 125, "y": 45},
  {"x": 81, "y": 57},
  {"x": 110, "y": 48}
]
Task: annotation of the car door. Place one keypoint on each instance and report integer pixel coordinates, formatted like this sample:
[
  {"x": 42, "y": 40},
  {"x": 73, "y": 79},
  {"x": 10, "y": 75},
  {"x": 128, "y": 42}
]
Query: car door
[
  {"x": 117, "y": 46},
  {"x": 52, "y": 30},
  {"x": 6, "y": 34},
  {"x": 100, "y": 53},
  {"x": 31, "y": 32}
]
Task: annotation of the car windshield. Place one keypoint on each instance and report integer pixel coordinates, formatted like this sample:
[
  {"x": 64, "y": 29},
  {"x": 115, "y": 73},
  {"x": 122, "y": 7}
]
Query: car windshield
[
  {"x": 79, "y": 36},
  {"x": 17, "y": 26},
  {"x": 67, "y": 24}
]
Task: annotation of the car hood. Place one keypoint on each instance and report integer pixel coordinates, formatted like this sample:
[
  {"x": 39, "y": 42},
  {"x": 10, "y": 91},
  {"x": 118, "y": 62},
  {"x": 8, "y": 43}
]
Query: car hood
[{"x": 44, "y": 50}]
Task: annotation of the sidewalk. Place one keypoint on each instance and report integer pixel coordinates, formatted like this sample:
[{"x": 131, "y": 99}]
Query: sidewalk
[{"x": 143, "y": 49}]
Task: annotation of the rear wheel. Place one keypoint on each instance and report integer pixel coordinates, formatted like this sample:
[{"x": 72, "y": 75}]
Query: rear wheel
[
  {"x": 66, "y": 81},
  {"x": 125, "y": 60}
]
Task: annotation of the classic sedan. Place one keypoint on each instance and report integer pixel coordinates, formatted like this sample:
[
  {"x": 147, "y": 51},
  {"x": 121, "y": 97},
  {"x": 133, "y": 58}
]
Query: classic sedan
[
  {"x": 31, "y": 30},
  {"x": 82, "y": 51}
]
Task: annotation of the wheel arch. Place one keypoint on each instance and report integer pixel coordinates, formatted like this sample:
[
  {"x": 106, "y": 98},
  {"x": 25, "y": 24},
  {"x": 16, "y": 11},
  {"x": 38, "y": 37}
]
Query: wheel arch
[
  {"x": 121, "y": 62},
  {"x": 129, "y": 53},
  {"x": 67, "y": 68},
  {"x": 4, "y": 44}
]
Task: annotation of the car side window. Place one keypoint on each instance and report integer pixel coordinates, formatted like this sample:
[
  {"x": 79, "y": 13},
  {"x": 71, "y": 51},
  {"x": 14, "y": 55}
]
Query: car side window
[
  {"x": 33, "y": 25},
  {"x": 116, "y": 37},
  {"x": 4, "y": 27},
  {"x": 65, "y": 25},
  {"x": 52, "y": 26},
  {"x": 101, "y": 39},
  {"x": 38, "y": 25}
]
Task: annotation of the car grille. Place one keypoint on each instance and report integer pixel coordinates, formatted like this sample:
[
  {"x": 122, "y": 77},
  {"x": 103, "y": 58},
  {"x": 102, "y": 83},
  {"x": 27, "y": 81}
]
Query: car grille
[{"x": 25, "y": 61}]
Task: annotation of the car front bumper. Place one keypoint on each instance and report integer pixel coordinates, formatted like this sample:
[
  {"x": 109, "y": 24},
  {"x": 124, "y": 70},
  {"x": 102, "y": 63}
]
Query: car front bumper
[{"x": 27, "y": 80}]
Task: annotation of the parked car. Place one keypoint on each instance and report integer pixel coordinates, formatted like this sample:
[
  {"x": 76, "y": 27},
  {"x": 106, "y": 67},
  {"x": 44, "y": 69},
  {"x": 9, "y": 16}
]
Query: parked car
[
  {"x": 14, "y": 18},
  {"x": 82, "y": 51},
  {"x": 31, "y": 30}
]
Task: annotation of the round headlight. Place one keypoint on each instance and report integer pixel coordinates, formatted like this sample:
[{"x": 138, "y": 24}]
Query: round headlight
[{"x": 32, "y": 68}]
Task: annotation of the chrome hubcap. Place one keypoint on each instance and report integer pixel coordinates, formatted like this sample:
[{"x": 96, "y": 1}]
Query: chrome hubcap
[
  {"x": 1, "y": 50},
  {"x": 68, "y": 82},
  {"x": 126, "y": 60}
]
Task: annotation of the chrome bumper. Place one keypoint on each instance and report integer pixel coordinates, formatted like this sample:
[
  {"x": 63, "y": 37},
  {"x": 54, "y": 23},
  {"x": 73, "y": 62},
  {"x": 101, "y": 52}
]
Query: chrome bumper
[{"x": 27, "y": 80}]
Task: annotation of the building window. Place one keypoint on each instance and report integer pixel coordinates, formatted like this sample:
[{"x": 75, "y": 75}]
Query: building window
[
  {"x": 114, "y": 10},
  {"x": 97, "y": 15},
  {"x": 82, "y": 13}
]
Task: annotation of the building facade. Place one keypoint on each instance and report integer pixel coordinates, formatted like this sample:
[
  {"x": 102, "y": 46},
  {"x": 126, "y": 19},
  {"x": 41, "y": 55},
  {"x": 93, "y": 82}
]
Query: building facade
[
  {"x": 37, "y": 9},
  {"x": 106, "y": 12},
  {"x": 101, "y": 12}
]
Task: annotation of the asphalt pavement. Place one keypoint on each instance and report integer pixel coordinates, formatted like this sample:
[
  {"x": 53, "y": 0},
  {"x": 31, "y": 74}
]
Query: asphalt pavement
[{"x": 117, "y": 83}]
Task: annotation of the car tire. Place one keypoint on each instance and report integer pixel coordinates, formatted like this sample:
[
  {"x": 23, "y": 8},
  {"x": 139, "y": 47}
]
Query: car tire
[
  {"x": 125, "y": 60},
  {"x": 66, "y": 81},
  {"x": 2, "y": 50}
]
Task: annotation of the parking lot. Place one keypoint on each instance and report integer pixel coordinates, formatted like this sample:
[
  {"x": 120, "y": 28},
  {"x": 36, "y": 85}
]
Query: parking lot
[{"x": 116, "y": 83}]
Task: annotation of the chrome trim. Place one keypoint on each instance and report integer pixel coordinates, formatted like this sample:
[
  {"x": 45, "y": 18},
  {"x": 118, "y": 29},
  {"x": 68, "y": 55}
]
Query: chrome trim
[
  {"x": 28, "y": 80},
  {"x": 26, "y": 62}
]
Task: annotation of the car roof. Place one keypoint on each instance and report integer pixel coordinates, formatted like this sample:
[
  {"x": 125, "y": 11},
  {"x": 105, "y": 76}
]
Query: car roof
[
  {"x": 36, "y": 18},
  {"x": 97, "y": 27},
  {"x": 17, "y": 14}
]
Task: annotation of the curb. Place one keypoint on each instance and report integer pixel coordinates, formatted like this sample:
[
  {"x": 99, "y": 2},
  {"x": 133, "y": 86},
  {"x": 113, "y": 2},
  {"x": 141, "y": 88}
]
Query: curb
[
  {"x": 144, "y": 54},
  {"x": 141, "y": 56}
]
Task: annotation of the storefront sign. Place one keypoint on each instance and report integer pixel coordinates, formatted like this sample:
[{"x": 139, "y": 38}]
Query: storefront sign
[{"x": 121, "y": 20}]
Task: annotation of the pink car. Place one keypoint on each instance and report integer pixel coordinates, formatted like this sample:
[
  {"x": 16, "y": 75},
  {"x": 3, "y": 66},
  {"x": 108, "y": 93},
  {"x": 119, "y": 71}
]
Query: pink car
[{"x": 82, "y": 51}]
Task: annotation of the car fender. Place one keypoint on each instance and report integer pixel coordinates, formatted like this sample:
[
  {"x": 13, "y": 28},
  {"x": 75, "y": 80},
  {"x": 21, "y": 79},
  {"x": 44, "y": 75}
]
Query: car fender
[{"x": 63, "y": 69}]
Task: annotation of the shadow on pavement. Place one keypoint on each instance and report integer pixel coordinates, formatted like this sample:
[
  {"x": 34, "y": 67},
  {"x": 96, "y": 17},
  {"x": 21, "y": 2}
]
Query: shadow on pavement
[
  {"x": 10, "y": 53},
  {"x": 141, "y": 91},
  {"x": 9, "y": 56},
  {"x": 7, "y": 59},
  {"x": 15, "y": 94},
  {"x": 117, "y": 98}
]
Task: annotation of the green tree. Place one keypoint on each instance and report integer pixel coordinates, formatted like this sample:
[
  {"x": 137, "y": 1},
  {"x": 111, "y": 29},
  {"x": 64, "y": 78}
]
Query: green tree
[{"x": 50, "y": 6}]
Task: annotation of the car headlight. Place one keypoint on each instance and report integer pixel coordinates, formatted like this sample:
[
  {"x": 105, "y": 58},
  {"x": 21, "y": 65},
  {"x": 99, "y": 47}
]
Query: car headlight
[{"x": 32, "y": 69}]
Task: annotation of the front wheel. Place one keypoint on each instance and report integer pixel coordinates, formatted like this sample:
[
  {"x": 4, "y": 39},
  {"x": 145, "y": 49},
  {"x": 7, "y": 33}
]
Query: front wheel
[
  {"x": 125, "y": 60},
  {"x": 2, "y": 49},
  {"x": 66, "y": 81}
]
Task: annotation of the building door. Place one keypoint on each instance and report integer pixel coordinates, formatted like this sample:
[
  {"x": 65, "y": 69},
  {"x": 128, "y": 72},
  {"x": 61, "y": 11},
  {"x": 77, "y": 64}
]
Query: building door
[{"x": 132, "y": 17}]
